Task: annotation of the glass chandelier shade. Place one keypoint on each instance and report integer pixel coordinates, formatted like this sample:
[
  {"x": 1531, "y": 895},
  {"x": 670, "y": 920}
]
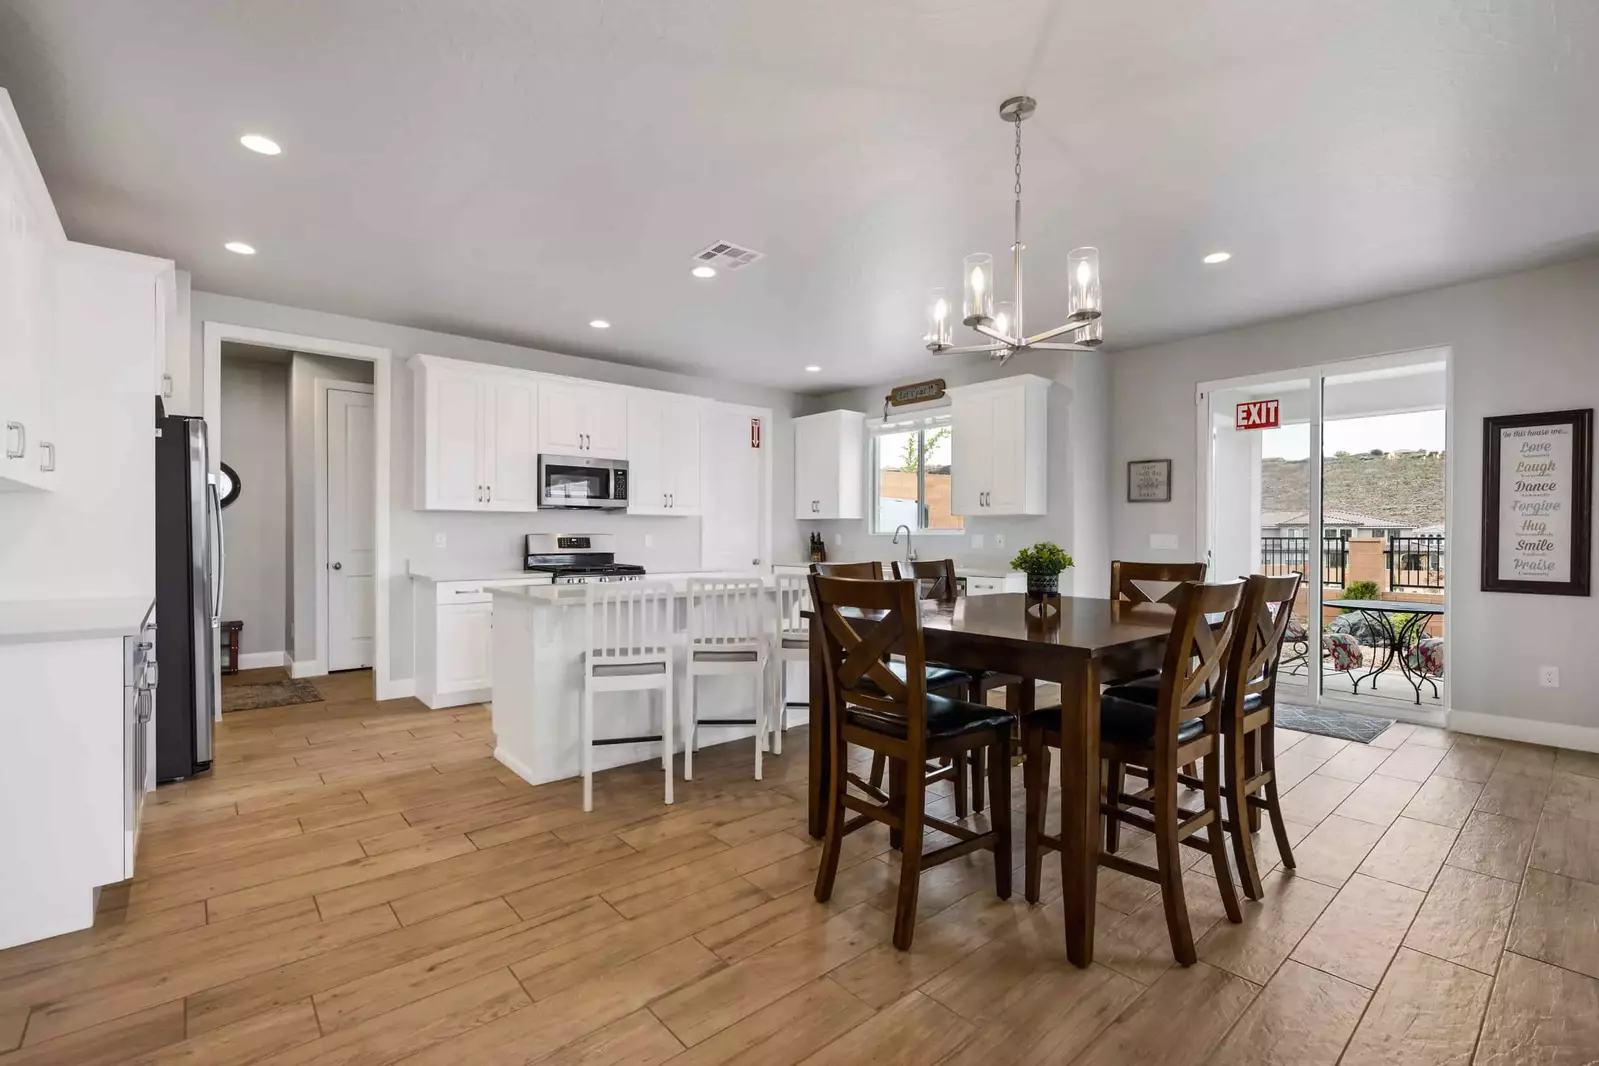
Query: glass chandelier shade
[
  {"x": 1004, "y": 316},
  {"x": 1082, "y": 267},
  {"x": 940, "y": 319},
  {"x": 978, "y": 305}
]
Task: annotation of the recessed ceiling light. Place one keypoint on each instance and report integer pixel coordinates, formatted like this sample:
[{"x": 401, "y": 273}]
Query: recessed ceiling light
[
  {"x": 1218, "y": 257},
  {"x": 704, "y": 272},
  {"x": 239, "y": 248},
  {"x": 600, "y": 323},
  {"x": 257, "y": 143},
  {"x": 813, "y": 370}
]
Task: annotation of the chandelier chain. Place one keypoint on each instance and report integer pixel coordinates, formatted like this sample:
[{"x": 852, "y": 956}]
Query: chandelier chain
[{"x": 1018, "y": 177}]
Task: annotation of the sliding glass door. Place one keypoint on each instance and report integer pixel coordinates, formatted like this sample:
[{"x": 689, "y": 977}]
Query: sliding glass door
[{"x": 1338, "y": 473}]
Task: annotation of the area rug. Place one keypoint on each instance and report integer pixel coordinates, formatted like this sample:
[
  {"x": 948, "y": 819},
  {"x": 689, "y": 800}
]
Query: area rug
[
  {"x": 271, "y": 694},
  {"x": 1360, "y": 728}
]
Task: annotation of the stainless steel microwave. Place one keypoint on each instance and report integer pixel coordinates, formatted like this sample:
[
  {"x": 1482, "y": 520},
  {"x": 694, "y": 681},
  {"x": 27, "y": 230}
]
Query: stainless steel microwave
[{"x": 582, "y": 481}]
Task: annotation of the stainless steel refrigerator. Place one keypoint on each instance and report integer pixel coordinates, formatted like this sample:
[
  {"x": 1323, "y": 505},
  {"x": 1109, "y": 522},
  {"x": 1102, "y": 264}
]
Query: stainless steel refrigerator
[{"x": 188, "y": 579}]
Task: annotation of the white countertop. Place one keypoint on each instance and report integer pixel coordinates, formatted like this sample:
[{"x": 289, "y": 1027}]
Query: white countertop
[
  {"x": 452, "y": 572},
  {"x": 31, "y": 621},
  {"x": 571, "y": 594},
  {"x": 960, "y": 569}
]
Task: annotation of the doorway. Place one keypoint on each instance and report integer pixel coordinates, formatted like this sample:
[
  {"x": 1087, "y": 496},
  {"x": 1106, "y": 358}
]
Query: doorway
[{"x": 1339, "y": 472}]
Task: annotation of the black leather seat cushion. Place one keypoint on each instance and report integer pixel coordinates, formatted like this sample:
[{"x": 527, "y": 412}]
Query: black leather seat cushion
[
  {"x": 1121, "y": 721},
  {"x": 1147, "y": 690},
  {"x": 946, "y": 718},
  {"x": 938, "y": 677}
]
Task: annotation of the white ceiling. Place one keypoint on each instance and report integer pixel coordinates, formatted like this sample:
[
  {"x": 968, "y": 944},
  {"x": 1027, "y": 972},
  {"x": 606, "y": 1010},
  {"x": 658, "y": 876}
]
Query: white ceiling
[{"x": 512, "y": 170}]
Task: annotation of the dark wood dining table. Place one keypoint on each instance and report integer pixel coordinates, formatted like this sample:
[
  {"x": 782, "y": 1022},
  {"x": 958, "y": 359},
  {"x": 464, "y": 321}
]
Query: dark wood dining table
[{"x": 1084, "y": 640}]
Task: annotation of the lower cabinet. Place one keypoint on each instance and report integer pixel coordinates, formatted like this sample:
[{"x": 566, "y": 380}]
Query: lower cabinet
[
  {"x": 465, "y": 648},
  {"x": 455, "y": 639}
]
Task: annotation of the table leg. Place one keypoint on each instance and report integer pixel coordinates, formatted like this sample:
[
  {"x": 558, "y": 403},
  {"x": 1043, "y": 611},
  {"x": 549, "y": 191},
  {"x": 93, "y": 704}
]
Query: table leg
[
  {"x": 820, "y": 734},
  {"x": 1079, "y": 802}
]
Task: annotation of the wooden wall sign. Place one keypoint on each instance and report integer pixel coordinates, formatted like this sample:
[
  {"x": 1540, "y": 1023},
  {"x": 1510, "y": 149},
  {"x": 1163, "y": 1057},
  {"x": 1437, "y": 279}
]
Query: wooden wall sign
[
  {"x": 920, "y": 392},
  {"x": 1537, "y": 503}
]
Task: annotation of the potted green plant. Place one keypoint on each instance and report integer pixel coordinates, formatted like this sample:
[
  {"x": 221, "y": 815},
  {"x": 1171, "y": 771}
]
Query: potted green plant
[{"x": 1042, "y": 563}]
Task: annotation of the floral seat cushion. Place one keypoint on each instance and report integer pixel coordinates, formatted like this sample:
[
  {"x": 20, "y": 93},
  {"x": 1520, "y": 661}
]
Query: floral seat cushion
[
  {"x": 1426, "y": 657},
  {"x": 1342, "y": 650}
]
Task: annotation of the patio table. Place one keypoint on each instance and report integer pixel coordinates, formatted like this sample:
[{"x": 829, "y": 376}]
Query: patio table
[{"x": 1395, "y": 638}]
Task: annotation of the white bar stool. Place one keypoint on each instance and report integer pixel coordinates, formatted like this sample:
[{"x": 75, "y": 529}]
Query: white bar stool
[
  {"x": 791, "y": 644},
  {"x": 630, "y": 650},
  {"x": 726, "y": 637}
]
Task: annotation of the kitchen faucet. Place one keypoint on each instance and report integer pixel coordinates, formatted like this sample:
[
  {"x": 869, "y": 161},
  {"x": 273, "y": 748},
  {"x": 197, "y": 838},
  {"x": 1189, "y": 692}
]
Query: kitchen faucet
[{"x": 910, "y": 553}]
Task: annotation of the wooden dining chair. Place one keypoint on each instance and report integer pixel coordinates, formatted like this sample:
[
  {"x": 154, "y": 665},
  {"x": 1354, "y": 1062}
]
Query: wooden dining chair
[
  {"x": 944, "y": 586},
  {"x": 863, "y": 622},
  {"x": 1249, "y": 703},
  {"x": 944, "y": 680},
  {"x": 1182, "y": 724},
  {"x": 1127, "y": 585}
]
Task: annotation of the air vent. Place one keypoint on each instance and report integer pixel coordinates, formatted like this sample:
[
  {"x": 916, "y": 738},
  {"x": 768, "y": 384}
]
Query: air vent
[{"x": 724, "y": 255}]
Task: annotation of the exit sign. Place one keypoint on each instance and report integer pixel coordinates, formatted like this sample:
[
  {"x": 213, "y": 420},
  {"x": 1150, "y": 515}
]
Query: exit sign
[{"x": 1258, "y": 414}]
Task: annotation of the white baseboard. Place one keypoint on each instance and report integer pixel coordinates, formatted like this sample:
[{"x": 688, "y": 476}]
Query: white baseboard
[
  {"x": 398, "y": 689},
  {"x": 515, "y": 765},
  {"x": 1527, "y": 730},
  {"x": 256, "y": 660},
  {"x": 306, "y": 668}
]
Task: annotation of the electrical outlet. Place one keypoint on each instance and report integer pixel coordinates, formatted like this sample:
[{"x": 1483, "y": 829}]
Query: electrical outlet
[
  {"x": 999, "y": 540},
  {"x": 440, "y": 540},
  {"x": 838, "y": 540},
  {"x": 649, "y": 540},
  {"x": 977, "y": 540},
  {"x": 1548, "y": 677}
]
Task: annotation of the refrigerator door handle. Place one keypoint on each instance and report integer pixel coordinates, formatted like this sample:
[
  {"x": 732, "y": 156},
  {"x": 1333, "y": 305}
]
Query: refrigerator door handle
[{"x": 219, "y": 577}]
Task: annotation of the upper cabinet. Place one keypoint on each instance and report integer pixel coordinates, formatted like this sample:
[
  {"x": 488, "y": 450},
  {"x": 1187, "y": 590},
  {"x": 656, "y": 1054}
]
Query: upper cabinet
[
  {"x": 829, "y": 461},
  {"x": 30, "y": 237},
  {"x": 998, "y": 461},
  {"x": 663, "y": 454},
  {"x": 579, "y": 418},
  {"x": 477, "y": 448}
]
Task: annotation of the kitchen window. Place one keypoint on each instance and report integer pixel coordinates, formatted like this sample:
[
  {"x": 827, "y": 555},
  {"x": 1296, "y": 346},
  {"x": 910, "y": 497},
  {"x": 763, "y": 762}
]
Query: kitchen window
[{"x": 911, "y": 475}]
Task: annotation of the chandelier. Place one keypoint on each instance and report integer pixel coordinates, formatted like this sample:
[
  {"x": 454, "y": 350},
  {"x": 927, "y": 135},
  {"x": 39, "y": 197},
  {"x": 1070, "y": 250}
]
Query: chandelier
[{"x": 1002, "y": 324}]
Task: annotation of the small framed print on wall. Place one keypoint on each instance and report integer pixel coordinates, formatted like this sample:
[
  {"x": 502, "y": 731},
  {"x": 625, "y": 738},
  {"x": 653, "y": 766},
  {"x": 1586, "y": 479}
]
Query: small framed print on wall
[
  {"x": 1537, "y": 503},
  {"x": 1149, "y": 481}
]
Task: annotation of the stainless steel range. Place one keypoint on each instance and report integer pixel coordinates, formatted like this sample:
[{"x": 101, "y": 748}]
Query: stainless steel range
[{"x": 576, "y": 558}]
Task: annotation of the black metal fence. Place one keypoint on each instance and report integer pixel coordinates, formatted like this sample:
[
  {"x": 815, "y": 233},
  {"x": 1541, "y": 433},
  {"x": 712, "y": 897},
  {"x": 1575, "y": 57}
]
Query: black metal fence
[
  {"x": 1284, "y": 555},
  {"x": 1415, "y": 562}
]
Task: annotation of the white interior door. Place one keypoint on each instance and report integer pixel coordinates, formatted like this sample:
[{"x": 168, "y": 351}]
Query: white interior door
[
  {"x": 734, "y": 493},
  {"x": 351, "y": 532}
]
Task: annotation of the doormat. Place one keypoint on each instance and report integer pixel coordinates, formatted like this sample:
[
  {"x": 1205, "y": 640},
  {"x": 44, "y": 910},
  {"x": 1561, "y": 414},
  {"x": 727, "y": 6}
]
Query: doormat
[
  {"x": 270, "y": 694},
  {"x": 1360, "y": 728}
]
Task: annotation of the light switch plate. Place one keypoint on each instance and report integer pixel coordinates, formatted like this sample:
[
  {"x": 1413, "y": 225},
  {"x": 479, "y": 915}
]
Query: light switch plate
[
  {"x": 999, "y": 540},
  {"x": 977, "y": 540},
  {"x": 440, "y": 540},
  {"x": 1165, "y": 542},
  {"x": 649, "y": 540}
]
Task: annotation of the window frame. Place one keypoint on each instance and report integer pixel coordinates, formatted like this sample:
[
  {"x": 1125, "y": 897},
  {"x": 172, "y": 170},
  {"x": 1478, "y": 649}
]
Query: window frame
[{"x": 920, "y": 422}]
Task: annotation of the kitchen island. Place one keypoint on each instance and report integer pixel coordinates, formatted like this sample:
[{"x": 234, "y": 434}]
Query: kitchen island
[{"x": 540, "y": 634}]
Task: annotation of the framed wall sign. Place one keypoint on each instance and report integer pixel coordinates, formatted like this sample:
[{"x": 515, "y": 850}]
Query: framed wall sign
[
  {"x": 1149, "y": 481},
  {"x": 1537, "y": 503}
]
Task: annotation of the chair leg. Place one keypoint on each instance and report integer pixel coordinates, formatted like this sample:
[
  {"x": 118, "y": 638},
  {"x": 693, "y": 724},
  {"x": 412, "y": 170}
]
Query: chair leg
[
  {"x": 1035, "y": 777},
  {"x": 667, "y": 739},
  {"x": 879, "y": 764},
  {"x": 586, "y": 728},
  {"x": 1236, "y": 772},
  {"x": 690, "y": 729},
  {"x": 978, "y": 759},
  {"x": 896, "y": 798},
  {"x": 1115, "y": 785},
  {"x": 760, "y": 722},
  {"x": 1216, "y": 838},
  {"x": 963, "y": 806},
  {"x": 1274, "y": 807},
  {"x": 999, "y": 788},
  {"x": 833, "y": 836},
  {"x": 910, "y": 862},
  {"x": 782, "y": 706},
  {"x": 1169, "y": 860},
  {"x": 1251, "y": 768}
]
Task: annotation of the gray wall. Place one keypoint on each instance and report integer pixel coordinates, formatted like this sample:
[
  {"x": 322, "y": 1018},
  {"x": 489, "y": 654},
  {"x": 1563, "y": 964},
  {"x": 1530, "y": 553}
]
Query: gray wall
[
  {"x": 1078, "y": 444},
  {"x": 1524, "y": 342},
  {"x": 494, "y": 541},
  {"x": 255, "y": 412}
]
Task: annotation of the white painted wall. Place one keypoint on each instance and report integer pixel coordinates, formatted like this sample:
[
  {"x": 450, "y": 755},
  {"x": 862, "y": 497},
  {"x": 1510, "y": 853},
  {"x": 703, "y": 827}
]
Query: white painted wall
[
  {"x": 255, "y": 413},
  {"x": 491, "y": 541},
  {"x": 1078, "y": 485},
  {"x": 1522, "y": 342}
]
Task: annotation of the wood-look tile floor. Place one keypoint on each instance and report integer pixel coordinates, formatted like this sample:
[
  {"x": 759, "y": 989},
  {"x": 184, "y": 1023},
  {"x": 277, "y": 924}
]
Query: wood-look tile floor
[{"x": 360, "y": 883}]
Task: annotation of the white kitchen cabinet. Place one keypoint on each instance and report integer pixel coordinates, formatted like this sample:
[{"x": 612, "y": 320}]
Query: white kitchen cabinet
[
  {"x": 466, "y": 640},
  {"x": 580, "y": 418},
  {"x": 998, "y": 461},
  {"x": 829, "y": 464},
  {"x": 477, "y": 446},
  {"x": 663, "y": 454},
  {"x": 455, "y": 638},
  {"x": 30, "y": 235}
]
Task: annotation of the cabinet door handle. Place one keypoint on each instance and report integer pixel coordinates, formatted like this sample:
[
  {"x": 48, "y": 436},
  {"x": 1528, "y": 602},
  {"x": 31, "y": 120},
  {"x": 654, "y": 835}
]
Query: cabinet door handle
[
  {"x": 47, "y": 466},
  {"x": 488, "y": 491},
  {"x": 671, "y": 499},
  {"x": 22, "y": 440}
]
